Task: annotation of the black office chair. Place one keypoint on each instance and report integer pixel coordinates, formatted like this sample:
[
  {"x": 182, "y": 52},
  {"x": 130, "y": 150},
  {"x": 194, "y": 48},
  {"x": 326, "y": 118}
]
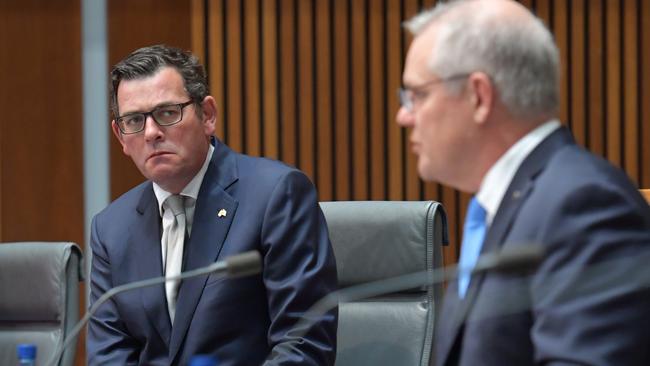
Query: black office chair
[
  {"x": 375, "y": 240},
  {"x": 39, "y": 298}
]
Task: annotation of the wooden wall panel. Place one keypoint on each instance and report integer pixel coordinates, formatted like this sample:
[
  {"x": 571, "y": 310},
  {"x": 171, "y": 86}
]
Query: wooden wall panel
[
  {"x": 377, "y": 118},
  {"x": 252, "y": 78},
  {"x": 306, "y": 88},
  {"x": 595, "y": 82},
  {"x": 289, "y": 78},
  {"x": 41, "y": 149},
  {"x": 270, "y": 60},
  {"x": 234, "y": 78},
  {"x": 342, "y": 120},
  {"x": 644, "y": 86},
  {"x": 613, "y": 80},
  {"x": 215, "y": 63},
  {"x": 324, "y": 96},
  {"x": 359, "y": 98},
  {"x": 630, "y": 92},
  {"x": 41, "y": 126},
  {"x": 330, "y": 70},
  {"x": 395, "y": 134},
  {"x": 576, "y": 76}
]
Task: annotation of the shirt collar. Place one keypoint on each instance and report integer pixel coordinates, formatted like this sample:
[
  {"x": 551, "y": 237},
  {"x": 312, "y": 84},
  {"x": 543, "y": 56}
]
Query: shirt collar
[
  {"x": 191, "y": 189},
  {"x": 498, "y": 178}
]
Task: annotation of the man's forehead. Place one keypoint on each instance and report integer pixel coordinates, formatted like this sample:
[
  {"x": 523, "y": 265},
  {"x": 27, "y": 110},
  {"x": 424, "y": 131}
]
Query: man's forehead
[
  {"x": 417, "y": 65},
  {"x": 164, "y": 86}
]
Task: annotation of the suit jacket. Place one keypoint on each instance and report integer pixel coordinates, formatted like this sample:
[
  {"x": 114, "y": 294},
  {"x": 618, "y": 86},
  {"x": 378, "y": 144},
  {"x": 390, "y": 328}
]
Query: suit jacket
[
  {"x": 588, "y": 302},
  {"x": 271, "y": 208}
]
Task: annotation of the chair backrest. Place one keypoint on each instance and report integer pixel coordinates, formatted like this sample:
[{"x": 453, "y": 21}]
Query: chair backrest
[
  {"x": 39, "y": 298},
  {"x": 375, "y": 240}
]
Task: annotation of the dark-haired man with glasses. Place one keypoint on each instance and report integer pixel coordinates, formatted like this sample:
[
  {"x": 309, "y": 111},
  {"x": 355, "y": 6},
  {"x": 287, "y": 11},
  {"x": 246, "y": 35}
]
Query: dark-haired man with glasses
[{"x": 203, "y": 202}]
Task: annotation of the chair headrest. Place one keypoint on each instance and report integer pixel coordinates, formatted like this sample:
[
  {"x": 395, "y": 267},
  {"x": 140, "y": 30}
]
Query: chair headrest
[
  {"x": 373, "y": 240},
  {"x": 37, "y": 272}
]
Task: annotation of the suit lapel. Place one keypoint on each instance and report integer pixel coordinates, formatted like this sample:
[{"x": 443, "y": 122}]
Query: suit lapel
[
  {"x": 455, "y": 309},
  {"x": 147, "y": 245},
  {"x": 209, "y": 231}
]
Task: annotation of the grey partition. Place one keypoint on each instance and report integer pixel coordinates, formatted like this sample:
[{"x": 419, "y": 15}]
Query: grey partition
[
  {"x": 375, "y": 240},
  {"x": 39, "y": 298}
]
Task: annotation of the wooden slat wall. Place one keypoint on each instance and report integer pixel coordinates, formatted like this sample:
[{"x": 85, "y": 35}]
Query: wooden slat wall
[
  {"x": 41, "y": 176},
  {"x": 312, "y": 83}
]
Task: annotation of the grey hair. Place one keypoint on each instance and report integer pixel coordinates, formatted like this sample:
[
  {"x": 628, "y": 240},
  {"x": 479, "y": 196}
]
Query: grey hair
[
  {"x": 520, "y": 57},
  {"x": 147, "y": 61}
]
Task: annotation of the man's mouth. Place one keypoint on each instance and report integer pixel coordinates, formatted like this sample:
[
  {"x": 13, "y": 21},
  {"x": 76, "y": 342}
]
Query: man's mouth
[{"x": 157, "y": 154}]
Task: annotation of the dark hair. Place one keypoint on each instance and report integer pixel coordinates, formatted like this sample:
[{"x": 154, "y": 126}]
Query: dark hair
[{"x": 147, "y": 61}]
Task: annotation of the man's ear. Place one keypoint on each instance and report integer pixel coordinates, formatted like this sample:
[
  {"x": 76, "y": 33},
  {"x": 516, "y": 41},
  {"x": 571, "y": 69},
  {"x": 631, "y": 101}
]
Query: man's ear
[
  {"x": 209, "y": 116},
  {"x": 482, "y": 94},
  {"x": 120, "y": 137}
]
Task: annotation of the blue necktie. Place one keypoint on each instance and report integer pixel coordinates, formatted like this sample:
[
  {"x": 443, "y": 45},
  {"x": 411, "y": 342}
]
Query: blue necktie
[{"x": 473, "y": 235}]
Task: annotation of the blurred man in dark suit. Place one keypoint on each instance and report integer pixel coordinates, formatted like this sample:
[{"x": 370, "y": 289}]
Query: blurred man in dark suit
[
  {"x": 481, "y": 97},
  {"x": 203, "y": 202}
]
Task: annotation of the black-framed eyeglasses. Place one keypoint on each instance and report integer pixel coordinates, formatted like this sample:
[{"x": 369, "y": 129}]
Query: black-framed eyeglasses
[
  {"x": 408, "y": 97},
  {"x": 165, "y": 115}
]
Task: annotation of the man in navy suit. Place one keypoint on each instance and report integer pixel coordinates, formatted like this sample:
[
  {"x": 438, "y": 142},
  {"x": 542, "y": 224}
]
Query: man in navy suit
[
  {"x": 481, "y": 96},
  {"x": 229, "y": 203}
]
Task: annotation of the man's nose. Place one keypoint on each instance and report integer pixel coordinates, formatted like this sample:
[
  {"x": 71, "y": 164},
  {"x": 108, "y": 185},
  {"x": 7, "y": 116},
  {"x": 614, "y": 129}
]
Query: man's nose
[
  {"x": 404, "y": 117},
  {"x": 152, "y": 130}
]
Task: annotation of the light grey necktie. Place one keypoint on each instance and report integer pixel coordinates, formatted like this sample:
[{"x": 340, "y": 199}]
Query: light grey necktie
[{"x": 173, "y": 237}]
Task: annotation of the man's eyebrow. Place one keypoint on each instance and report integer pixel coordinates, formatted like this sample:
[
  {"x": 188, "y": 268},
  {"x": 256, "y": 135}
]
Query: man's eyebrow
[{"x": 161, "y": 104}]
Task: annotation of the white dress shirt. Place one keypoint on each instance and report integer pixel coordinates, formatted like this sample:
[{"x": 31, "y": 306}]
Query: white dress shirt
[{"x": 190, "y": 192}]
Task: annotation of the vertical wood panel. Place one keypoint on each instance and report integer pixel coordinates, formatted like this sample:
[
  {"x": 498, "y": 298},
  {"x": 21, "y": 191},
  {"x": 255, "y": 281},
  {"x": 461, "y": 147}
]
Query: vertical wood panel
[
  {"x": 645, "y": 93},
  {"x": 359, "y": 99},
  {"x": 342, "y": 99},
  {"x": 613, "y": 86},
  {"x": 324, "y": 105},
  {"x": 197, "y": 23},
  {"x": 306, "y": 100},
  {"x": 595, "y": 81},
  {"x": 288, "y": 81},
  {"x": 394, "y": 80},
  {"x": 41, "y": 126},
  {"x": 578, "y": 72},
  {"x": 270, "y": 79},
  {"x": 377, "y": 89},
  {"x": 234, "y": 76},
  {"x": 560, "y": 27},
  {"x": 217, "y": 63},
  {"x": 252, "y": 51},
  {"x": 630, "y": 90}
]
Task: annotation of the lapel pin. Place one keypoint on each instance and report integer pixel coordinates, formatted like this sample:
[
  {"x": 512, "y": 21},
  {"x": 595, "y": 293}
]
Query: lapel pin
[
  {"x": 222, "y": 213},
  {"x": 516, "y": 194}
]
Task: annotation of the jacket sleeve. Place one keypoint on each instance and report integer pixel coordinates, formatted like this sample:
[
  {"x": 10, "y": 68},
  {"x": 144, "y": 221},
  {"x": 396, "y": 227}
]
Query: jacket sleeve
[
  {"x": 108, "y": 341},
  {"x": 590, "y": 293},
  {"x": 299, "y": 269}
]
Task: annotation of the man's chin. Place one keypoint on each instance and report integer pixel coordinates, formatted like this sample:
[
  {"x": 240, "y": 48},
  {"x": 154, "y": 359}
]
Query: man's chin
[
  {"x": 160, "y": 174},
  {"x": 424, "y": 171}
]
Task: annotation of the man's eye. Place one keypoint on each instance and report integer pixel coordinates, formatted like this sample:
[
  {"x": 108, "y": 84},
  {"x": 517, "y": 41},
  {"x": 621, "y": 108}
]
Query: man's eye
[
  {"x": 132, "y": 120},
  {"x": 167, "y": 113},
  {"x": 420, "y": 94}
]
